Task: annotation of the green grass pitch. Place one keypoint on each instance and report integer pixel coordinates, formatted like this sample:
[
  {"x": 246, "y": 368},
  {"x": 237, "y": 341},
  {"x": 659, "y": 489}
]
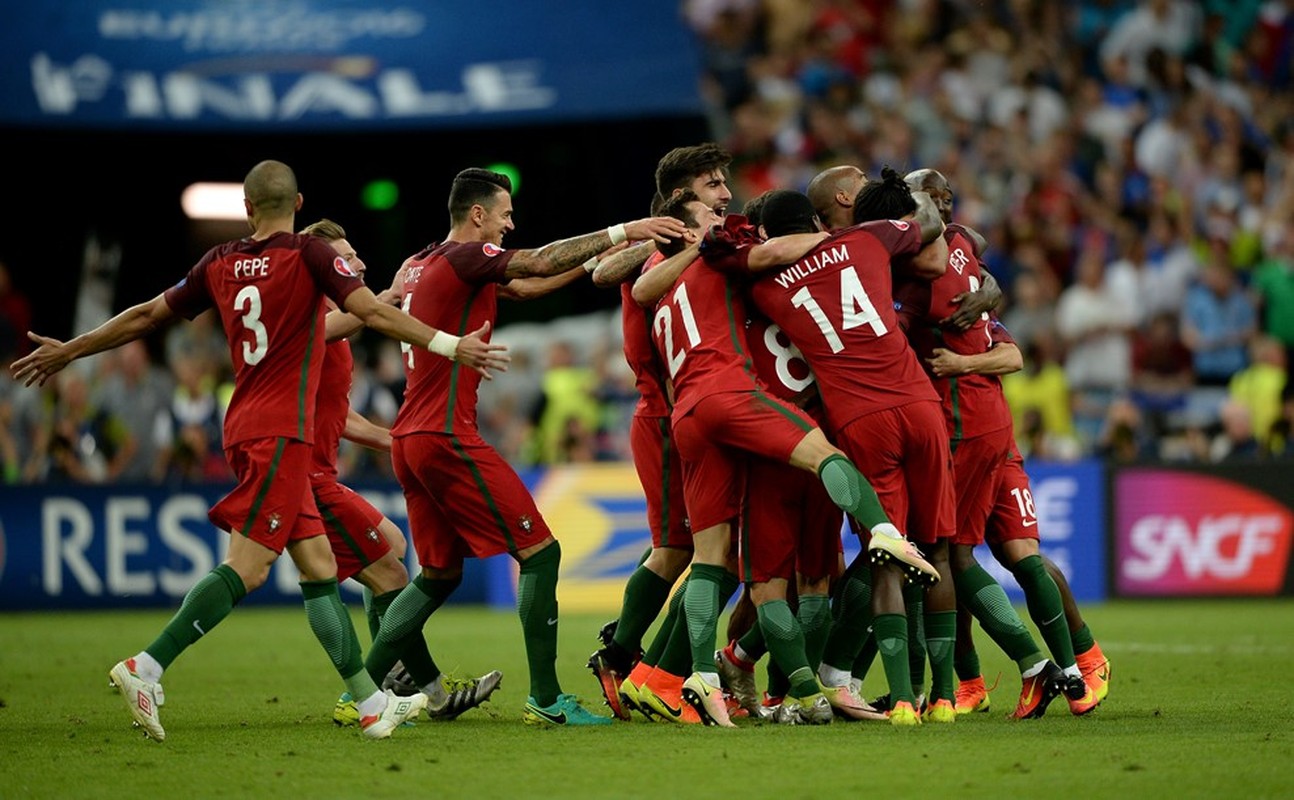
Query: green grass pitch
[{"x": 1199, "y": 706}]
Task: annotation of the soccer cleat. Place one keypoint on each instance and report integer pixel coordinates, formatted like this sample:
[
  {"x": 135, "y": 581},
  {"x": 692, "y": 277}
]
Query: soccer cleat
[
  {"x": 609, "y": 680},
  {"x": 972, "y": 696},
  {"x": 142, "y": 698},
  {"x": 940, "y": 711},
  {"x": 399, "y": 681},
  {"x": 462, "y": 695},
  {"x": 1096, "y": 671},
  {"x": 885, "y": 704},
  {"x": 904, "y": 715},
  {"x": 707, "y": 700},
  {"x": 662, "y": 693},
  {"x": 345, "y": 713},
  {"x": 399, "y": 710},
  {"x": 1079, "y": 694},
  {"x": 848, "y": 705},
  {"x": 768, "y": 706},
  {"x": 566, "y": 711},
  {"x": 1037, "y": 692},
  {"x": 812, "y": 710},
  {"x": 630, "y": 700},
  {"x": 607, "y": 633},
  {"x": 738, "y": 678},
  {"x": 884, "y": 549}
]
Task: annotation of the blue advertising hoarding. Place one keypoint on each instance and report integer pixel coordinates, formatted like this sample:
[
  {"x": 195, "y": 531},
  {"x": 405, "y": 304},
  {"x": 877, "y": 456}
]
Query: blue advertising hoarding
[
  {"x": 313, "y": 65},
  {"x": 120, "y": 547}
]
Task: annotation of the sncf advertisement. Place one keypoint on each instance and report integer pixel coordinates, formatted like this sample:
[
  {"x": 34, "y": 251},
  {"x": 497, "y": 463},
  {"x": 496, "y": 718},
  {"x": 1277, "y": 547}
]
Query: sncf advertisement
[{"x": 1224, "y": 531}]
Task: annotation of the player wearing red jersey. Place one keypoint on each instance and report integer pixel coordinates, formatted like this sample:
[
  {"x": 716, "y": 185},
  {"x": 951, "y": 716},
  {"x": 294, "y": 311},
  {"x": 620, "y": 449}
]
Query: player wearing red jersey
[
  {"x": 832, "y": 193},
  {"x": 268, "y": 289},
  {"x": 366, "y": 545},
  {"x": 617, "y": 666},
  {"x": 463, "y": 498},
  {"x": 722, "y": 410},
  {"x": 835, "y": 304},
  {"x": 966, "y": 356}
]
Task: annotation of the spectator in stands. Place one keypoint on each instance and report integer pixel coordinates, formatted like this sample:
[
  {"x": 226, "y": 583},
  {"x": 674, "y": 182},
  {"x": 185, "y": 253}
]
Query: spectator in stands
[
  {"x": 86, "y": 443},
  {"x": 15, "y": 319},
  {"x": 1258, "y": 388},
  {"x": 1162, "y": 374},
  {"x": 1236, "y": 442},
  {"x": 1217, "y": 321},
  {"x": 135, "y": 390},
  {"x": 188, "y": 430},
  {"x": 569, "y": 422},
  {"x": 1039, "y": 398},
  {"x": 1096, "y": 325}
]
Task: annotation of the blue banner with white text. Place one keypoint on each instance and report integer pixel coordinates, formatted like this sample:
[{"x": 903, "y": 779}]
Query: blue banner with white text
[
  {"x": 69, "y": 546},
  {"x": 313, "y": 65}
]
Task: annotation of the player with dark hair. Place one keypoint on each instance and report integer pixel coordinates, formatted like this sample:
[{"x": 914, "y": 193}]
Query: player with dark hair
[
  {"x": 463, "y": 498},
  {"x": 366, "y": 545},
  {"x": 619, "y": 665},
  {"x": 835, "y": 304},
  {"x": 268, "y": 290},
  {"x": 721, "y": 410},
  {"x": 994, "y": 496}
]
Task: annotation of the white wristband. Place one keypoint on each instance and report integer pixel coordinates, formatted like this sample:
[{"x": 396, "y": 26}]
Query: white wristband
[
  {"x": 591, "y": 264},
  {"x": 617, "y": 233},
  {"x": 443, "y": 344}
]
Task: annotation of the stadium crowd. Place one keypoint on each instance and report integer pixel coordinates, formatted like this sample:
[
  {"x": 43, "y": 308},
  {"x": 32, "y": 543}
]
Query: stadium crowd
[{"x": 1131, "y": 164}]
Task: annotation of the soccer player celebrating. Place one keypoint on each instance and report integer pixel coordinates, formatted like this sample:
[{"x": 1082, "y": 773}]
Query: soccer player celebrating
[
  {"x": 268, "y": 289},
  {"x": 965, "y": 361},
  {"x": 366, "y": 545},
  {"x": 835, "y": 304},
  {"x": 463, "y": 498},
  {"x": 721, "y": 410},
  {"x": 699, "y": 169}
]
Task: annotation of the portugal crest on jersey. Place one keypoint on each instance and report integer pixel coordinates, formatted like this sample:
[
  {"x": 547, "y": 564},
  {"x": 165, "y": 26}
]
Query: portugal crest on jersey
[{"x": 342, "y": 266}]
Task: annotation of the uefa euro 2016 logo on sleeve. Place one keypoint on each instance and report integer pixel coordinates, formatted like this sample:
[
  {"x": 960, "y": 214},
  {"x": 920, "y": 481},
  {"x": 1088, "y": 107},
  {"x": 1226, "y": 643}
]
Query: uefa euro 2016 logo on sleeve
[{"x": 1183, "y": 533}]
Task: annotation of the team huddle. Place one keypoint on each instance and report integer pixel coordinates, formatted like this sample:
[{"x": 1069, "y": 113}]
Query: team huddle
[
  {"x": 821, "y": 358},
  {"x": 825, "y": 356}
]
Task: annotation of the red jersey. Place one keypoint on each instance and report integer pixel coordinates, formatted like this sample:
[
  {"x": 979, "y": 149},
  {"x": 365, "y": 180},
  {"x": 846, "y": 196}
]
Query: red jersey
[
  {"x": 640, "y": 353},
  {"x": 451, "y": 286},
  {"x": 699, "y": 330},
  {"x": 836, "y": 305},
  {"x": 269, "y": 295},
  {"x": 973, "y": 404},
  {"x": 777, "y": 361},
  {"x": 331, "y": 408}
]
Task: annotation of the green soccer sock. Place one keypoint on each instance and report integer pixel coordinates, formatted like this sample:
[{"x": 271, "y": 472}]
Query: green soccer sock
[
  {"x": 709, "y": 589},
  {"x": 851, "y": 492},
  {"x": 1046, "y": 608},
  {"x": 656, "y": 651},
  {"x": 786, "y": 646},
  {"x": 375, "y": 607},
  {"x": 645, "y": 595},
  {"x": 753, "y": 643},
  {"x": 892, "y": 643},
  {"x": 207, "y": 603},
  {"x": 941, "y": 636},
  {"x": 1083, "y": 640},
  {"x": 537, "y": 607},
  {"x": 852, "y": 616},
  {"x": 331, "y": 624},
  {"x": 914, "y": 601},
  {"x": 865, "y": 658},
  {"x": 401, "y": 629},
  {"x": 814, "y": 615},
  {"x": 986, "y": 600},
  {"x": 778, "y": 684},
  {"x": 967, "y": 665},
  {"x": 416, "y": 657}
]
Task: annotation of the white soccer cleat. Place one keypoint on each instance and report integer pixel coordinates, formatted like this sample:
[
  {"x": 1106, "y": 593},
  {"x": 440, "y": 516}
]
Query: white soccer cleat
[
  {"x": 848, "y": 704},
  {"x": 143, "y": 699},
  {"x": 739, "y": 681},
  {"x": 398, "y": 711},
  {"x": 883, "y": 549}
]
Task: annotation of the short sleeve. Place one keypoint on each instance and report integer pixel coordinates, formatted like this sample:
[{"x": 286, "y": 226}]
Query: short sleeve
[
  {"x": 479, "y": 262},
  {"x": 190, "y": 297},
  {"x": 332, "y": 272},
  {"x": 899, "y": 237}
]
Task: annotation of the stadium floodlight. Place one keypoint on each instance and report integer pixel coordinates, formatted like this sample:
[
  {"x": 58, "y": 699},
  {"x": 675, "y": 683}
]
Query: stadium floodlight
[{"x": 213, "y": 201}]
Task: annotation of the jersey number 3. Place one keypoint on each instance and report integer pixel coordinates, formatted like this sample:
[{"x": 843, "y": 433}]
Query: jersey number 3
[{"x": 248, "y": 301}]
